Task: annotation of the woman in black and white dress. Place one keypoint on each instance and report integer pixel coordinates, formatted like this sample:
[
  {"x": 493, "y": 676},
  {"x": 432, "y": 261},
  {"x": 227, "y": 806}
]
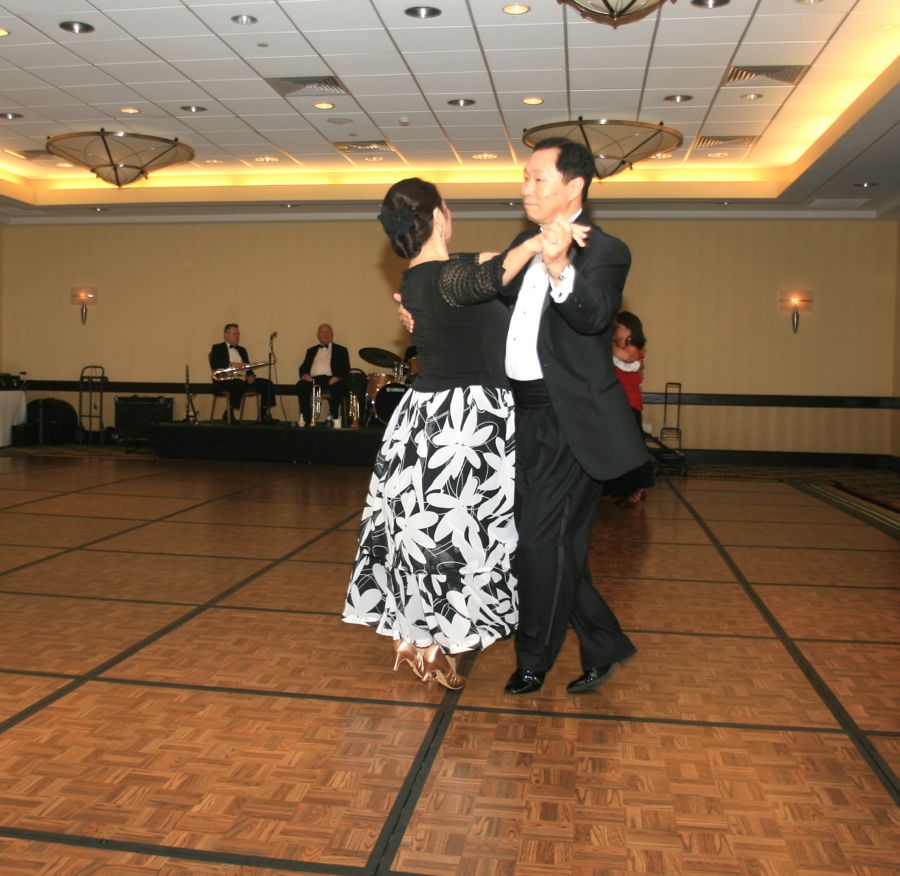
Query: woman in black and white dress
[{"x": 433, "y": 568}]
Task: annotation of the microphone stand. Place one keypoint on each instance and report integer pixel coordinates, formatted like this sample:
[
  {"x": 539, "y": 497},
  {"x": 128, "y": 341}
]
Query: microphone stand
[
  {"x": 190, "y": 411},
  {"x": 274, "y": 380}
]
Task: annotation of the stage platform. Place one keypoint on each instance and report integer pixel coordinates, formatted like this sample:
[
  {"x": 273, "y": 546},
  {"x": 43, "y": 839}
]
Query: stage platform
[{"x": 265, "y": 442}]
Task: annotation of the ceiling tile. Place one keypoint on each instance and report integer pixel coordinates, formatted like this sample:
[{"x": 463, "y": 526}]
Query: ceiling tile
[
  {"x": 313, "y": 15},
  {"x": 435, "y": 39},
  {"x": 153, "y": 71},
  {"x": 373, "y": 41},
  {"x": 189, "y": 48}
]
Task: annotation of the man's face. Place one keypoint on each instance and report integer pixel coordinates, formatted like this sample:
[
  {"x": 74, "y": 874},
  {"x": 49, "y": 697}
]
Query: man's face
[
  {"x": 233, "y": 335},
  {"x": 545, "y": 194},
  {"x": 325, "y": 334}
]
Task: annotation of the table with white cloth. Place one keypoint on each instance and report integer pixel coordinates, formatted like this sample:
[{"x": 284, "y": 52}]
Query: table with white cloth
[{"x": 12, "y": 413}]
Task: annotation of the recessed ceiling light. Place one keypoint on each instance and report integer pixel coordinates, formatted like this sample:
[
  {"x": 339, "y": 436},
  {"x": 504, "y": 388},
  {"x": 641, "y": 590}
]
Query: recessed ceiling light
[
  {"x": 64, "y": 164},
  {"x": 324, "y": 105},
  {"x": 865, "y": 185},
  {"x": 129, "y": 110},
  {"x": 10, "y": 117},
  {"x": 678, "y": 98},
  {"x": 516, "y": 9},
  {"x": 374, "y": 158},
  {"x": 77, "y": 26},
  {"x": 484, "y": 156},
  {"x": 213, "y": 161},
  {"x": 717, "y": 154},
  {"x": 422, "y": 12},
  {"x": 461, "y": 101},
  {"x": 710, "y": 4},
  {"x": 244, "y": 19},
  {"x": 265, "y": 159},
  {"x": 533, "y": 101},
  {"x": 194, "y": 109},
  {"x": 404, "y": 121},
  {"x": 98, "y": 209},
  {"x": 3, "y": 32},
  {"x": 752, "y": 95},
  {"x": 262, "y": 45},
  {"x": 663, "y": 155},
  {"x": 338, "y": 120},
  {"x": 808, "y": 2},
  {"x": 724, "y": 203}
]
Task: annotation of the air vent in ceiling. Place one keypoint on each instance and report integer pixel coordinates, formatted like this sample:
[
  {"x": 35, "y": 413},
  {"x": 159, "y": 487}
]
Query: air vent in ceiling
[
  {"x": 782, "y": 74},
  {"x": 311, "y": 86},
  {"x": 33, "y": 154},
  {"x": 737, "y": 141},
  {"x": 363, "y": 147}
]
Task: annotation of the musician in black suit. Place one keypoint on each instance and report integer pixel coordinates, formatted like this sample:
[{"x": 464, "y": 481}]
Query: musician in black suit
[
  {"x": 326, "y": 365},
  {"x": 574, "y": 428},
  {"x": 230, "y": 352}
]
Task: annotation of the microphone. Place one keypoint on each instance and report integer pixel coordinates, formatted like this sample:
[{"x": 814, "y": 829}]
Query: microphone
[{"x": 273, "y": 336}]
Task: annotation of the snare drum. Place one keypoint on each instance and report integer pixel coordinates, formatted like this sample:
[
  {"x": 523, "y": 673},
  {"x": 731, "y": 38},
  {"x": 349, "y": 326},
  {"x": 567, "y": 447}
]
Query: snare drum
[
  {"x": 375, "y": 382},
  {"x": 387, "y": 399}
]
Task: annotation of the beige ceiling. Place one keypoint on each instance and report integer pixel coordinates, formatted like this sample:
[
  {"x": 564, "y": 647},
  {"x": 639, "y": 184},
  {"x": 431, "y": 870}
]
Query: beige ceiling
[{"x": 802, "y": 147}]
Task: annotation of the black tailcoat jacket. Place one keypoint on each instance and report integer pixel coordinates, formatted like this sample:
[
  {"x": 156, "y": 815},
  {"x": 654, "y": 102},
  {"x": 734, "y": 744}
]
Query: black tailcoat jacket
[{"x": 575, "y": 351}]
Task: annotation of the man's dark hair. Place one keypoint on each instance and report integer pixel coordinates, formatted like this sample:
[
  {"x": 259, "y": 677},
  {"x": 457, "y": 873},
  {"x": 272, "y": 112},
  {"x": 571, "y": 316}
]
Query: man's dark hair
[
  {"x": 229, "y": 325},
  {"x": 573, "y": 161}
]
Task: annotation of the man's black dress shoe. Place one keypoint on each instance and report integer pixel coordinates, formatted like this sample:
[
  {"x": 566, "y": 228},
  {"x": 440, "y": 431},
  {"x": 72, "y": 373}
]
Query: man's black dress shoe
[
  {"x": 524, "y": 681},
  {"x": 591, "y": 678}
]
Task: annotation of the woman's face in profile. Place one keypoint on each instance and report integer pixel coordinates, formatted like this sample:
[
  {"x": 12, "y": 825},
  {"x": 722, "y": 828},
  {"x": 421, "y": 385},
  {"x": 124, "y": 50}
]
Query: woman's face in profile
[{"x": 621, "y": 336}]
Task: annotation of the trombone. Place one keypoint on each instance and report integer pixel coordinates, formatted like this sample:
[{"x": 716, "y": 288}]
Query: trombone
[{"x": 237, "y": 371}]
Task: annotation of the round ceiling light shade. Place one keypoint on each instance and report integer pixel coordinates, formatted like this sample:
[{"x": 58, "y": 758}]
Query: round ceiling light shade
[
  {"x": 119, "y": 157},
  {"x": 616, "y": 11},
  {"x": 614, "y": 144}
]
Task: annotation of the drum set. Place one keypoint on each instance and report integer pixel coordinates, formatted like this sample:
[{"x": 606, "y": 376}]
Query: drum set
[{"x": 384, "y": 389}]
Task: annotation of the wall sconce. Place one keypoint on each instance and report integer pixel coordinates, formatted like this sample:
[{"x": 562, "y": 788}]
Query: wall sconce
[
  {"x": 84, "y": 295},
  {"x": 795, "y": 302}
]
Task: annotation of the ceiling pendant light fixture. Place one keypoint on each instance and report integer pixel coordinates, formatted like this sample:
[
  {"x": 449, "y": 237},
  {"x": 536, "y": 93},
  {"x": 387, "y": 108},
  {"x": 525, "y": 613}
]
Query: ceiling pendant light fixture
[
  {"x": 119, "y": 157},
  {"x": 615, "y": 144},
  {"x": 616, "y": 12}
]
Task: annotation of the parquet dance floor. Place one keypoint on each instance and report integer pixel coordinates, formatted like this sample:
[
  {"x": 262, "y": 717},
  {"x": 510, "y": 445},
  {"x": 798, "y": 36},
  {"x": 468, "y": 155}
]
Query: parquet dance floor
[{"x": 179, "y": 696}]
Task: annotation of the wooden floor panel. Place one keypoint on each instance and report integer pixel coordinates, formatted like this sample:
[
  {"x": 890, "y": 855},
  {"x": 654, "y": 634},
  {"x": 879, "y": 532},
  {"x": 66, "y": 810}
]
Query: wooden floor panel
[
  {"x": 107, "y": 505},
  {"x": 649, "y": 560},
  {"x": 835, "y": 612},
  {"x": 777, "y": 565},
  {"x": 12, "y": 556},
  {"x": 266, "y": 776},
  {"x": 277, "y": 652},
  {"x": 747, "y": 681},
  {"x": 802, "y": 535},
  {"x": 211, "y": 540},
  {"x": 17, "y": 692},
  {"x": 263, "y": 729},
  {"x": 52, "y": 634},
  {"x": 865, "y": 678},
  {"x": 297, "y": 586},
  {"x": 683, "y": 606},
  {"x": 46, "y": 530},
  {"x": 672, "y": 800},
  {"x": 116, "y": 575}
]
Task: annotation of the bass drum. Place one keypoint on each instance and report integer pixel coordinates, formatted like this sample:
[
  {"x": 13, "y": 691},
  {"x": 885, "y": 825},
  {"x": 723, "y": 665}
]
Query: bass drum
[
  {"x": 387, "y": 399},
  {"x": 375, "y": 382}
]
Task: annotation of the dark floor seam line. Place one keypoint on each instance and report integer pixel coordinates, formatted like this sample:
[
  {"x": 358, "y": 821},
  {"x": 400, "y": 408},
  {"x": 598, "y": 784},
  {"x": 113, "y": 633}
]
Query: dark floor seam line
[
  {"x": 36, "y": 673},
  {"x": 261, "y": 692},
  {"x": 92, "y": 674},
  {"x": 407, "y": 799},
  {"x": 870, "y": 754},
  {"x": 651, "y": 719},
  {"x": 118, "y": 599},
  {"x": 179, "y": 852}
]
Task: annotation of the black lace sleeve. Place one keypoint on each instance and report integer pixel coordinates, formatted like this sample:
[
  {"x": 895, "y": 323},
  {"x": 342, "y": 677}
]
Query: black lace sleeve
[{"x": 463, "y": 281}]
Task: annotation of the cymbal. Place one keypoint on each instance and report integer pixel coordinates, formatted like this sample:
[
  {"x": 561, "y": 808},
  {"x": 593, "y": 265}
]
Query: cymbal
[{"x": 379, "y": 357}]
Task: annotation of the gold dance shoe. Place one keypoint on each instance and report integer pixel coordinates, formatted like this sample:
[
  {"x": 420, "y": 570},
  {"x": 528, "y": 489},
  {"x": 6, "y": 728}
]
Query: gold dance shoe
[
  {"x": 406, "y": 652},
  {"x": 441, "y": 668}
]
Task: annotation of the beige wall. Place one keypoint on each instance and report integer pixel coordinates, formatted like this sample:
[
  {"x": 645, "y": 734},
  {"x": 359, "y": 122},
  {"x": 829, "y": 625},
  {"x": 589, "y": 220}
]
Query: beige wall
[
  {"x": 895, "y": 415},
  {"x": 706, "y": 290}
]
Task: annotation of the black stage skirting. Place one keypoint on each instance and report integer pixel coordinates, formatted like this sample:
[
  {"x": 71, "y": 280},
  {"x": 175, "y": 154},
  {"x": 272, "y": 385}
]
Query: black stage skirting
[{"x": 265, "y": 442}]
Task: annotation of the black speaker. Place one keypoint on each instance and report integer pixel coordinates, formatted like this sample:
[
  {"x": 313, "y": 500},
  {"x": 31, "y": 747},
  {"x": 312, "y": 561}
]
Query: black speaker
[
  {"x": 55, "y": 420},
  {"x": 136, "y": 414}
]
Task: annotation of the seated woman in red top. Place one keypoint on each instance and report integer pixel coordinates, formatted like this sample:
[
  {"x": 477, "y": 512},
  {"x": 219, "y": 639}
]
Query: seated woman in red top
[{"x": 628, "y": 357}]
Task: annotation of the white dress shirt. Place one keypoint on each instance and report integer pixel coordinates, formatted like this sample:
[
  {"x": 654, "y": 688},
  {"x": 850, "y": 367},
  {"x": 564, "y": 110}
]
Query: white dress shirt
[
  {"x": 321, "y": 365},
  {"x": 522, "y": 361},
  {"x": 233, "y": 355}
]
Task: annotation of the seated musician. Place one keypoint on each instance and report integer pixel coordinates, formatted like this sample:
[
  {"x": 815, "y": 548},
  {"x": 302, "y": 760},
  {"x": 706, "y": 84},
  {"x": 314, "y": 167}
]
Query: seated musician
[
  {"x": 230, "y": 353},
  {"x": 326, "y": 365}
]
